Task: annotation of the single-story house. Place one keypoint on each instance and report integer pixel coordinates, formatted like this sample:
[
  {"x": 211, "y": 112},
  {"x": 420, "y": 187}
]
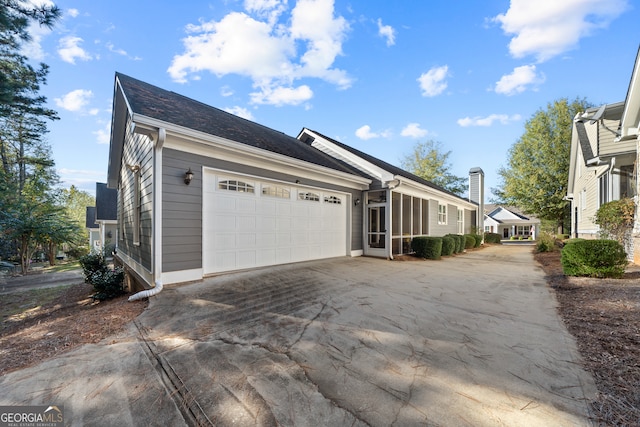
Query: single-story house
[
  {"x": 202, "y": 191},
  {"x": 510, "y": 222}
]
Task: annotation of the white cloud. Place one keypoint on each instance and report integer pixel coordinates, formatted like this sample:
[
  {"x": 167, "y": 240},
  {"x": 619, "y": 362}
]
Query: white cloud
[
  {"x": 282, "y": 95},
  {"x": 69, "y": 49},
  {"x": 364, "y": 132},
  {"x": 489, "y": 120},
  {"x": 547, "y": 28},
  {"x": 273, "y": 52},
  {"x": 413, "y": 130},
  {"x": 103, "y": 136},
  {"x": 387, "y": 32},
  {"x": 226, "y": 91},
  {"x": 433, "y": 82},
  {"x": 519, "y": 80},
  {"x": 240, "y": 112},
  {"x": 82, "y": 178},
  {"x": 74, "y": 100},
  {"x": 73, "y": 13}
]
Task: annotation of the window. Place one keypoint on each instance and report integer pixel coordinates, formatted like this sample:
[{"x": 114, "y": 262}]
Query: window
[
  {"x": 603, "y": 185},
  {"x": 276, "y": 191},
  {"x": 233, "y": 185},
  {"x": 442, "y": 214},
  {"x": 460, "y": 221},
  {"x": 334, "y": 200},
  {"x": 523, "y": 230},
  {"x": 309, "y": 196}
]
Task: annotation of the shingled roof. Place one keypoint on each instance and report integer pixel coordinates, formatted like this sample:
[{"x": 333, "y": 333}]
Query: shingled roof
[{"x": 151, "y": 101}]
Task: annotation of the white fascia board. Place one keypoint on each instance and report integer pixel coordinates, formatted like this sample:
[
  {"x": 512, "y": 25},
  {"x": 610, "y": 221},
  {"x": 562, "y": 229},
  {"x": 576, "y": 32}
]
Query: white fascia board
[
  {"x": 436, "y": 194},
  {"x": 347, "y": 156},
  {"x": 192, "y": 141}
]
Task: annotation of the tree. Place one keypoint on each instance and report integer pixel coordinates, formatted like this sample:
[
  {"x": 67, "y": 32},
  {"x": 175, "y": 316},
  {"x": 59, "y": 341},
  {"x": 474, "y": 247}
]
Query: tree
[
  {"x": 428, "y": 162},
  {"x": 537, "y": 172},
  {"x": 28, "y": 205}
]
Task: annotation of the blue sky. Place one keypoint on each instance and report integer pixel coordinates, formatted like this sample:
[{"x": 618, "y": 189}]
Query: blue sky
[{"x": 378, "y": 75}]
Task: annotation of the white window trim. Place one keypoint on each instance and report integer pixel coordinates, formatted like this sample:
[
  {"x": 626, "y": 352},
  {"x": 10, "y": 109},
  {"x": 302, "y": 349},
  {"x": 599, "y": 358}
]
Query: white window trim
[
  {"x": 442, "y": 213},
  {"x": 137, "y": 200}
]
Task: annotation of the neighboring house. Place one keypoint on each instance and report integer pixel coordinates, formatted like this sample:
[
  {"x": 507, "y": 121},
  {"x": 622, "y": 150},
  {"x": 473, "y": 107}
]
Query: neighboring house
[
  {"x": 601, "y": 166},
  {"x": 509, "y": 222},
  {"x": 630, "y": 134},
  {"x": 106, "y": 216},
  {"x": 95, "y": 244},
  {"x": 202, "y": 191}
]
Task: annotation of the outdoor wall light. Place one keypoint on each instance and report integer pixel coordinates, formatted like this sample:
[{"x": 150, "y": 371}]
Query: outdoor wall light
[
  {"x": 356, "y": 202},
  {"x": 188, "y": 176}
]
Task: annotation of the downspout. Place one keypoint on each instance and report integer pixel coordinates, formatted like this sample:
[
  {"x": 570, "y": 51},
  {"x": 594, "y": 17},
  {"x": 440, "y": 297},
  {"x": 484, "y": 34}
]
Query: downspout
[{"x": 157, "y": 220}]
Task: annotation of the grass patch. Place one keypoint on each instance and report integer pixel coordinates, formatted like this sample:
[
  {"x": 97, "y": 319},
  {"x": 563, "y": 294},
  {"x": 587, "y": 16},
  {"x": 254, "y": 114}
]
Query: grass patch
[{"x": 65, "y": 266}]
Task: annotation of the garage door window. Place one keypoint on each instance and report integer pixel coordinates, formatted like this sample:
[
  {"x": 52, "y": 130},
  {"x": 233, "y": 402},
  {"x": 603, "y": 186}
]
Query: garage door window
[
  {"x": 333, "y": 200},
  {"x": 276, "y": 191},
  {"x": 314, "y": 197},
  {"x": 239, "y": 186}
]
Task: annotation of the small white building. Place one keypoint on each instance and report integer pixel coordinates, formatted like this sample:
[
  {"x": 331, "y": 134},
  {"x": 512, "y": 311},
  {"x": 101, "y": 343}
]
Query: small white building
[{"x": 509, "y": 222}]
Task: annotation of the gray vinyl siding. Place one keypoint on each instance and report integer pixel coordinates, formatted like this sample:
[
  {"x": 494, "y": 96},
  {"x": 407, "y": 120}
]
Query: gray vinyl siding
[
  {"x": 469, "y": 220},
  {"x": 451, "y": 227},
  {"x": 182, "y": 206},
  {"x": 181, "y": 212},
  {"x": 138, "y": 150}
]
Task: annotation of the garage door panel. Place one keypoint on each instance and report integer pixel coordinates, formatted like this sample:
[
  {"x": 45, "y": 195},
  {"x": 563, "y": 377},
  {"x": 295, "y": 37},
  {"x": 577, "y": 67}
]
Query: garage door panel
[{"x": 246, "y": 230}]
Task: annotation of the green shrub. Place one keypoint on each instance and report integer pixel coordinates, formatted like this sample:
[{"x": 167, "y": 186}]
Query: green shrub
[
  {"x": 92, "y": 263},
  {"x": 77, "y": 252},
  {"x": 478, "y": 242},
  {"x": 470, "y": 241},
  {"x": 459, "y": 242},
  {"x": 492, "y": 237},
  {"x": 106, "y": 282},
  {"x": 427, "y": 247},
  {"x": 546, "y": 243},
  {"x": 594, "y": 258},
  {"x": 448, "y": 245}
]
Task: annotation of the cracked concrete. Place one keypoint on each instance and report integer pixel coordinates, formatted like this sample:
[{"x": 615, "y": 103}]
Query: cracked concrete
[{"x": 470, "y": 340}]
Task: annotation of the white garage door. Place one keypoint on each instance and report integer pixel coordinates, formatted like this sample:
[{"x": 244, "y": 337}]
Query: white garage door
[{"x": 251, "y": 222}]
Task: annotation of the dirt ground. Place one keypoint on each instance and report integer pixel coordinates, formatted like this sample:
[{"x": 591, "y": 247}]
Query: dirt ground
[
  {"x": 603, "y": 315},
  {"x": 41, "y": 324}
]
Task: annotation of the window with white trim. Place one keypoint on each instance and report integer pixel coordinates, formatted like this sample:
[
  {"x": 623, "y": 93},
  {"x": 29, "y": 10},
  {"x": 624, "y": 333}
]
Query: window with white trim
[
  {"x": 603, "y": 186},
  {"x": 235, "y": 185},
  {"x": 460, "y": 221},
  {"x": 276, "y": 191},
  {"x": 314, "y": 197},
  {"x": 334, "y": 200},
  {"x": 442, "y": 214}
]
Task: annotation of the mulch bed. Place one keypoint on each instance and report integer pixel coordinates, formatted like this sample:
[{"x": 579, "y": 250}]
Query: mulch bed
[
  {"x": 71, "y": 319},
  {"x": 604, "y": 317}
]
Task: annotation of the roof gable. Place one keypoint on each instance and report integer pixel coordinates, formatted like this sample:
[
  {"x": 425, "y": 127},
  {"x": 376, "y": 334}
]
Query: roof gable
[
  {"x": 364, "y": 162},
  {"x": 106, "y": 203}
]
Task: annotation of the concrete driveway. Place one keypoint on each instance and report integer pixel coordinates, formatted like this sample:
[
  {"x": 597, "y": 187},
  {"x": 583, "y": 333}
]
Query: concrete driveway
[{"x": 469, "y": 340}]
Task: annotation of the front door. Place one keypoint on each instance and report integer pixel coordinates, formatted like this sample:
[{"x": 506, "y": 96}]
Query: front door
[{"x": 376, "y": 230}]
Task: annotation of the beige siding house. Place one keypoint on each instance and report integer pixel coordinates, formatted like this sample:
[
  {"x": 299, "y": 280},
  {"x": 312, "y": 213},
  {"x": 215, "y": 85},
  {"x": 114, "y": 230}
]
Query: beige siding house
[{"x": 604, "y": 161}]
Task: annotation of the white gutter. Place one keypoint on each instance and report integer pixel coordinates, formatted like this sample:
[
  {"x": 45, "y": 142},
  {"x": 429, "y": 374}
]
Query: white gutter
[{"x": 157, "y": 219}]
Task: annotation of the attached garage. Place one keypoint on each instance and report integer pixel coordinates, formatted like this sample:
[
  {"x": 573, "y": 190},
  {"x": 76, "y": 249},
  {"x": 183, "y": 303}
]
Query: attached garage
[{"x": 253, "y": 222}]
